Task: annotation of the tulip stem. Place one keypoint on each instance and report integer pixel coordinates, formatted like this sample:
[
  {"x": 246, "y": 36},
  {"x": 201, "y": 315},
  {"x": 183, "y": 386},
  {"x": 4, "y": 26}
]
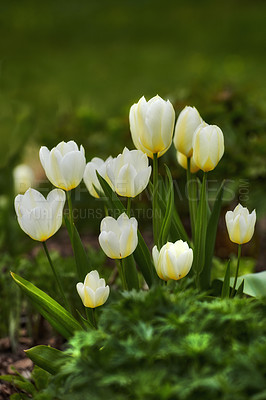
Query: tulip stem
[
  {"x": 237, "y": 268},
  {"x": 70, "y": 208},
  {"x": 66, "y": 304},
  {"x": 121, "y": 270},
  {"x": 129, "y": 206},
  {"x": 155, "y": 198},
  {"x": 94, "y": 320},
  {"x": 191, "y": 192}
]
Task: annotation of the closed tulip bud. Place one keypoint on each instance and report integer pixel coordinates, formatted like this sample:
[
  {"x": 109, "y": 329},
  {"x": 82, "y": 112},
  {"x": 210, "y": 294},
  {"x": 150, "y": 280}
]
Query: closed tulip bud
[
  {"x": 93, "y": 292},
  {"x": 23, "y": 178},
  {"x": 64, "y": 165},
  {"x": 129, "y": 172},
  {"x": 38, "y": 217},
  {"x": 187, "y": 122},
  {"x": 240, "y": 224},
  {"x": 182, "y": 160},
  {"x": 208, "y": 146},
  {"x": 119, "y": 238},
  {"x": 90, "y": 177},
  {"x": 173, "y": 261},
  {"x": 152, "y": 125}
]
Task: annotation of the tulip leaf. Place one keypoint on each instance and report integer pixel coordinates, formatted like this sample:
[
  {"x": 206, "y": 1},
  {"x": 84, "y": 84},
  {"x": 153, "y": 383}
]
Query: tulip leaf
[
  {"x": 205, "y": 277},
  {"x": 167, "y": 220},
  {"x": 142, "y": 253},
  {"x": 60, "y": 319},
  {"x": 177, "y": 230},
  {"x": 255, "y": 284},
  {"x": 131, "y": 274},
  {"x": 226, "y": 283},
  {"x": 46, "y": 357},
  {"x": 81, "y": 257},
  {"x": 200, "y": 232},
  {"x": 240, "y": 289}
]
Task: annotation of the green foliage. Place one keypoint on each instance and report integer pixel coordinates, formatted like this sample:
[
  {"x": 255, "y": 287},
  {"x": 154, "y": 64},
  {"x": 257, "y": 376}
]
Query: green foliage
[{"x": 168, "y": 343}]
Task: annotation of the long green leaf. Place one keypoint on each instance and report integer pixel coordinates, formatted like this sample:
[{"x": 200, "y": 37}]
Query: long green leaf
[
  {"x": 255, "y": 284},
  {"x": 205, "y": 277},
  {"x": 142, "y": 253},
  {"x": 177, "y": 230},
  {"x": 167, "y": 220},
  {"x": 226, "y": 282},
  {"x": 200, "y": 232},
  {"x": 46, "y": 357},
  {"x": 81, "y": 257},
  {"x": 21, "y": 383},
  {"x": 56, "y": 315},
  {"x": 131, "y": 274}
]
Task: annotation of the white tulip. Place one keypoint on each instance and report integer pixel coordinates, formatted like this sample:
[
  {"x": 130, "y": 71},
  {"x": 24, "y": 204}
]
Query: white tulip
[
  {"x": 182, "y": 160},
  {"x": 93, "y": 292},
  {"x": 129, "y": 172},
  {"x": 187, "y": 122},
  {"x": 23, "y": 177},
  {"x": 173, "y": 261},
  {"x": 64, "y": 165},
  {"x": 240, "y": 224},
  {"x": 152, "y": 125},
  {"x": 38, "y": 217},
  {"x": 119, "y": 238},
  {"x": 90, "y": 177},
  {"x": 208, "y": 146}
]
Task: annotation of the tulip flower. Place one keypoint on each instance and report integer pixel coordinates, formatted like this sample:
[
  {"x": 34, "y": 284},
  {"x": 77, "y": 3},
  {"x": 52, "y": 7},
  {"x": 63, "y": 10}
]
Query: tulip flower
[
  {"x": 182, "y": 160},
  {"x": 118, "y": 238},
  {"x": 152, "y": 125},
  {"x": 208, "y": 146},
  {"x": 90, "y": 177},
  {"x": 94, "y": 292},
  {"x": 129, "y": 172},
  {"x": 240, "y": 224},
  {"x": 187, "y": 122},
  {"x": 23, "y": 178},
  {"x": 64, "y": 165},
  {"x": 173, "y": 261},
  {"x": 38, "y": 217}
]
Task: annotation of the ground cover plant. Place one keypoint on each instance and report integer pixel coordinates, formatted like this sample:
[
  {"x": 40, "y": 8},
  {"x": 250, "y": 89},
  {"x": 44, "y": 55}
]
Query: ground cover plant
[{"x": 175, "y": 257}]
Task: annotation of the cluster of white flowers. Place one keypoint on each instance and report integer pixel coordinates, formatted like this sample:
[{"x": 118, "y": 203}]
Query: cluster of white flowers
[{"x": 152, "y": 129}]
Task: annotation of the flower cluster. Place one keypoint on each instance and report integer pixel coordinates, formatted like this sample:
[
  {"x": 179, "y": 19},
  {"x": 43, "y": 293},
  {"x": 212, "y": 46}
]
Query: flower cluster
[{"x": 152, "y": 125}]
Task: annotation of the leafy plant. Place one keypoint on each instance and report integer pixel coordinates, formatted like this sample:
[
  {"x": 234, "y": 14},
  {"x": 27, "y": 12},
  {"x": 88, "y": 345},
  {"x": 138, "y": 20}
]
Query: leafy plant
[{"x": 168, "y": 343}]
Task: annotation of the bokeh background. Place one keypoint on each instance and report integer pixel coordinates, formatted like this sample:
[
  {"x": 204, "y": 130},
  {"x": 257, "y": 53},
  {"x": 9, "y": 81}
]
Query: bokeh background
[{"x": 72, "y": 69}]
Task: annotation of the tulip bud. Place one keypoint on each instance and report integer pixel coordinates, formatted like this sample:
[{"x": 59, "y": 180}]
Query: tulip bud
[
  {"x": 240, "y": 224},
  {"x": 23, "y": 178},
  {"x": 129, "y": 172},
  {"x": 182, "y": 160},
  {"x": 187, "y": 122},
  {"x": 38, "y": 217},
  {"x": 152, "y": 125},
  {"x": 90, "y": 177},
  {"x": 93, "y": 292},
  {"x": 208, "y": 146},
  {"x": 119, "y": 238},
  {"x": 173, "y": 261},
  {"x": 64, "y": 165}
]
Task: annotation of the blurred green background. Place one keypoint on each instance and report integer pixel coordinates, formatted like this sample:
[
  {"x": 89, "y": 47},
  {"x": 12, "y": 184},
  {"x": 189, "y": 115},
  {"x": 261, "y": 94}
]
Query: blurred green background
[{"x": 72, "y": 69}]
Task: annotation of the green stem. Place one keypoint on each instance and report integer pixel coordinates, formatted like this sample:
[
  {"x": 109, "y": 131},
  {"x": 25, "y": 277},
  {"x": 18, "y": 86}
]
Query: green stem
[
  {"x": 155, "y": 199},
  {"x": 237, "y": 268},
  {"x": 191, "y": 191},
  {"x": 70, "y": 207},
  {"x": 129, "y": 206},
  {"x": 200, "y": 232},
  {"x": 66, "y": 304},
  {"x": 94, "y": 320},
  {"x": 122, "y": 274}
]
